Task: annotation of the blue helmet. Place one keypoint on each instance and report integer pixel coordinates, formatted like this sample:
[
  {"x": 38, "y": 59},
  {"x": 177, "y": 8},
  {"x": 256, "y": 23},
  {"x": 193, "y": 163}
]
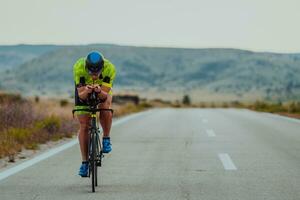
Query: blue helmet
[{"x": 94, "y": 62}]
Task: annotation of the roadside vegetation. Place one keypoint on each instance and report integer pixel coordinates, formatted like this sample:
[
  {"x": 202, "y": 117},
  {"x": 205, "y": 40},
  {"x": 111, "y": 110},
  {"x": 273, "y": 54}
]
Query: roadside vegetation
[
  {"x": 27, "y": 123},
  {"x": 121, "y": 110},
  {"x": 23, "y": 125},
  {"x": 290, "y": 109}
]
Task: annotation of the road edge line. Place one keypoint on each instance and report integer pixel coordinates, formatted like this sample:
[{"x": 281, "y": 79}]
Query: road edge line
[{"x": 51, "y": 152}]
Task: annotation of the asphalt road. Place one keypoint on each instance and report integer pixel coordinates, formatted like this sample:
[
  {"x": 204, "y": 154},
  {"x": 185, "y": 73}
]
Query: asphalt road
[{"x": 221, "y": 154}]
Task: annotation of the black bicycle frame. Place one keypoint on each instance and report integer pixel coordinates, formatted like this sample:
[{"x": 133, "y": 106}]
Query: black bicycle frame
[{"x": 94, "y": 149}]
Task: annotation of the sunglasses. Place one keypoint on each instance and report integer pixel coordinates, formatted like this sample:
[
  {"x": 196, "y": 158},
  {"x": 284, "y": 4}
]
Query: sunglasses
[{"x": 94, "y": 73}]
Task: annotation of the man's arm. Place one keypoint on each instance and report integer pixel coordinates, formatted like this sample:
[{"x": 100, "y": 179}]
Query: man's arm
[
  {"x": 107, "y": 81},
  {"x": 103, "y": 91},
  {"x": 84, "y": 91}
]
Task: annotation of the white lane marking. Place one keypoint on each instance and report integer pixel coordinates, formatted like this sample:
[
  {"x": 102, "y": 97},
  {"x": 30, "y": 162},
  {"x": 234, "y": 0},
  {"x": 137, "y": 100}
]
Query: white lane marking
[
  {"x": 37, "y": 159},
  {"x": 204, "y": 120},
  {"x": 227, "y": 162},
  {"x": 52, "y": 152},
  {"x": 210, "y": 133}
]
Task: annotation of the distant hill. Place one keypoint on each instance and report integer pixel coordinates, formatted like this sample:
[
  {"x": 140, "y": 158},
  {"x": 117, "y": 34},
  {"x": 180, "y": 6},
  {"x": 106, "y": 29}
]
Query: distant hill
[
  {"x": 13, "y": 56},
  {"x": 233, "y": 72}
]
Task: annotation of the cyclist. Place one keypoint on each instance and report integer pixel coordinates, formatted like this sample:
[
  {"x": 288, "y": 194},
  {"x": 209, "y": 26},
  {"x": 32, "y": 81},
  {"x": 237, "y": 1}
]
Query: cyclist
[{"x": 93, "y": 73}]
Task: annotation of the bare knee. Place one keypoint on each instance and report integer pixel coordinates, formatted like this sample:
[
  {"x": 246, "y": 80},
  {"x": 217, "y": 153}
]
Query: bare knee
[
  {"x": 84, "y": 121},
  {"x": 107, "y": 103},
  {"x": 84, "y": 128}
]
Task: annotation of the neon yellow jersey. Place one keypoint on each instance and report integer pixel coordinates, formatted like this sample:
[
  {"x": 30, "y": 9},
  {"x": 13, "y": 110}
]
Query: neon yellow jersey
[{"x": 106, "y": 77}]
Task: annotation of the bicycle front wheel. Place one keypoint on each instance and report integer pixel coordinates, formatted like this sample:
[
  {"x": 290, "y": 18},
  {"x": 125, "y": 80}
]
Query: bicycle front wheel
[
  {"x": 94, "y": 161},
  {"x": 99, "y": 156}
]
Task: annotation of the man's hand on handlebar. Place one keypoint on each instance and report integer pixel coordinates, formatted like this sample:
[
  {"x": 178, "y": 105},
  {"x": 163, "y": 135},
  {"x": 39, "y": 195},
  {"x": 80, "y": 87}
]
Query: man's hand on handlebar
[
  {"x": 101, "y": 94},
  {"x": 90, "y": 88},
  {"x": 97, "y": 88},
  {"x": 84, "y": 91}
]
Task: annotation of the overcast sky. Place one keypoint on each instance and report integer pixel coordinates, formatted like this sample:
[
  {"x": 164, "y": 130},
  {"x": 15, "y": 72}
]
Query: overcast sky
[{"x": 259, "y": 25}]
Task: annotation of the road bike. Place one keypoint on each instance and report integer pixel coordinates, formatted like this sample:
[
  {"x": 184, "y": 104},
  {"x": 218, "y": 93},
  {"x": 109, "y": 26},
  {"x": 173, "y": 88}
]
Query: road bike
[{"x": 95, "y": 153}]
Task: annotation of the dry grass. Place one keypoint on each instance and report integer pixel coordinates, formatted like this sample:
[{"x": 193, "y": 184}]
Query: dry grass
[
  {"x": 58, "y": 107},
  {"x": 290, "y": 109},
  {"x": 121, "y": 110},
  {"x": 26, "y": 124}
]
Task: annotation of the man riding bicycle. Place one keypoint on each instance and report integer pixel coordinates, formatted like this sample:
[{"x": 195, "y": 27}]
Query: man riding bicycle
[{"x": 93, "y": 73}]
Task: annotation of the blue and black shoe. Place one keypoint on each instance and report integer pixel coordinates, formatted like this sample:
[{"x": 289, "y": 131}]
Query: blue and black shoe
[
  {"x": 84, "y": 169},
  {"x": 106, "y": 145}
]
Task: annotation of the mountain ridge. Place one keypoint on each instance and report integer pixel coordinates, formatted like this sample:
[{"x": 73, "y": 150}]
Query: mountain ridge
[{"x": 224, "y": 71}]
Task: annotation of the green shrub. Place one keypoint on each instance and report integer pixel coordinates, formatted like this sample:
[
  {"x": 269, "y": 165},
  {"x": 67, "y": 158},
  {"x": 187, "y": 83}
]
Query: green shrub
[
  {"x": 273, "y": 108},
  {"x": 203, "y": 105},
  {"x": 176, "y": 105},
  {"x": 294, "y": 107},
  {"x": 56, "y": 137},
  {"x": 20, "y": 135},
  {"x": 10, "y": 97},
  {"x": 32, "y": 146},
  {"x": 186, "y": 100},
  {"x": 144, "y": 105},
  {"x": 37, "y": 99},
  {"x": 260, "y": 105},
  {"x": 8, "y": 145},
  {"x": 51, "y": 124},
  {"x": 21, "y": 127},
  {"x": 225, "y": 105},
  {"x": 63, "y": 102},
  {"x": 236, "y": 104}
]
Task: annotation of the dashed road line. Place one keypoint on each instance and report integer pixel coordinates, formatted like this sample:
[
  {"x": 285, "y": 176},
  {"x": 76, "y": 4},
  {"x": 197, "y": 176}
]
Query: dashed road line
[{"x": 227, "y": 162}]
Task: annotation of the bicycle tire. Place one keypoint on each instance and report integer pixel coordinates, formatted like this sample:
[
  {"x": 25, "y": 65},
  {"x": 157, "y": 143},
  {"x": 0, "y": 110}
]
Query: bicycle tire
[
  {"x": 93, "y": 161},
  {"x": 96, "y": 177},
  {"x": 98, "y": 157},
  {"x": 99, "y": 151}
]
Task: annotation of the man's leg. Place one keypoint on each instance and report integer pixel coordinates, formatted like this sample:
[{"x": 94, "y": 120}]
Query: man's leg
[
  {"x": 106, "y": 116},
  {"x": 84, "y": 121},
  {"x": 105, "y": 121}
]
